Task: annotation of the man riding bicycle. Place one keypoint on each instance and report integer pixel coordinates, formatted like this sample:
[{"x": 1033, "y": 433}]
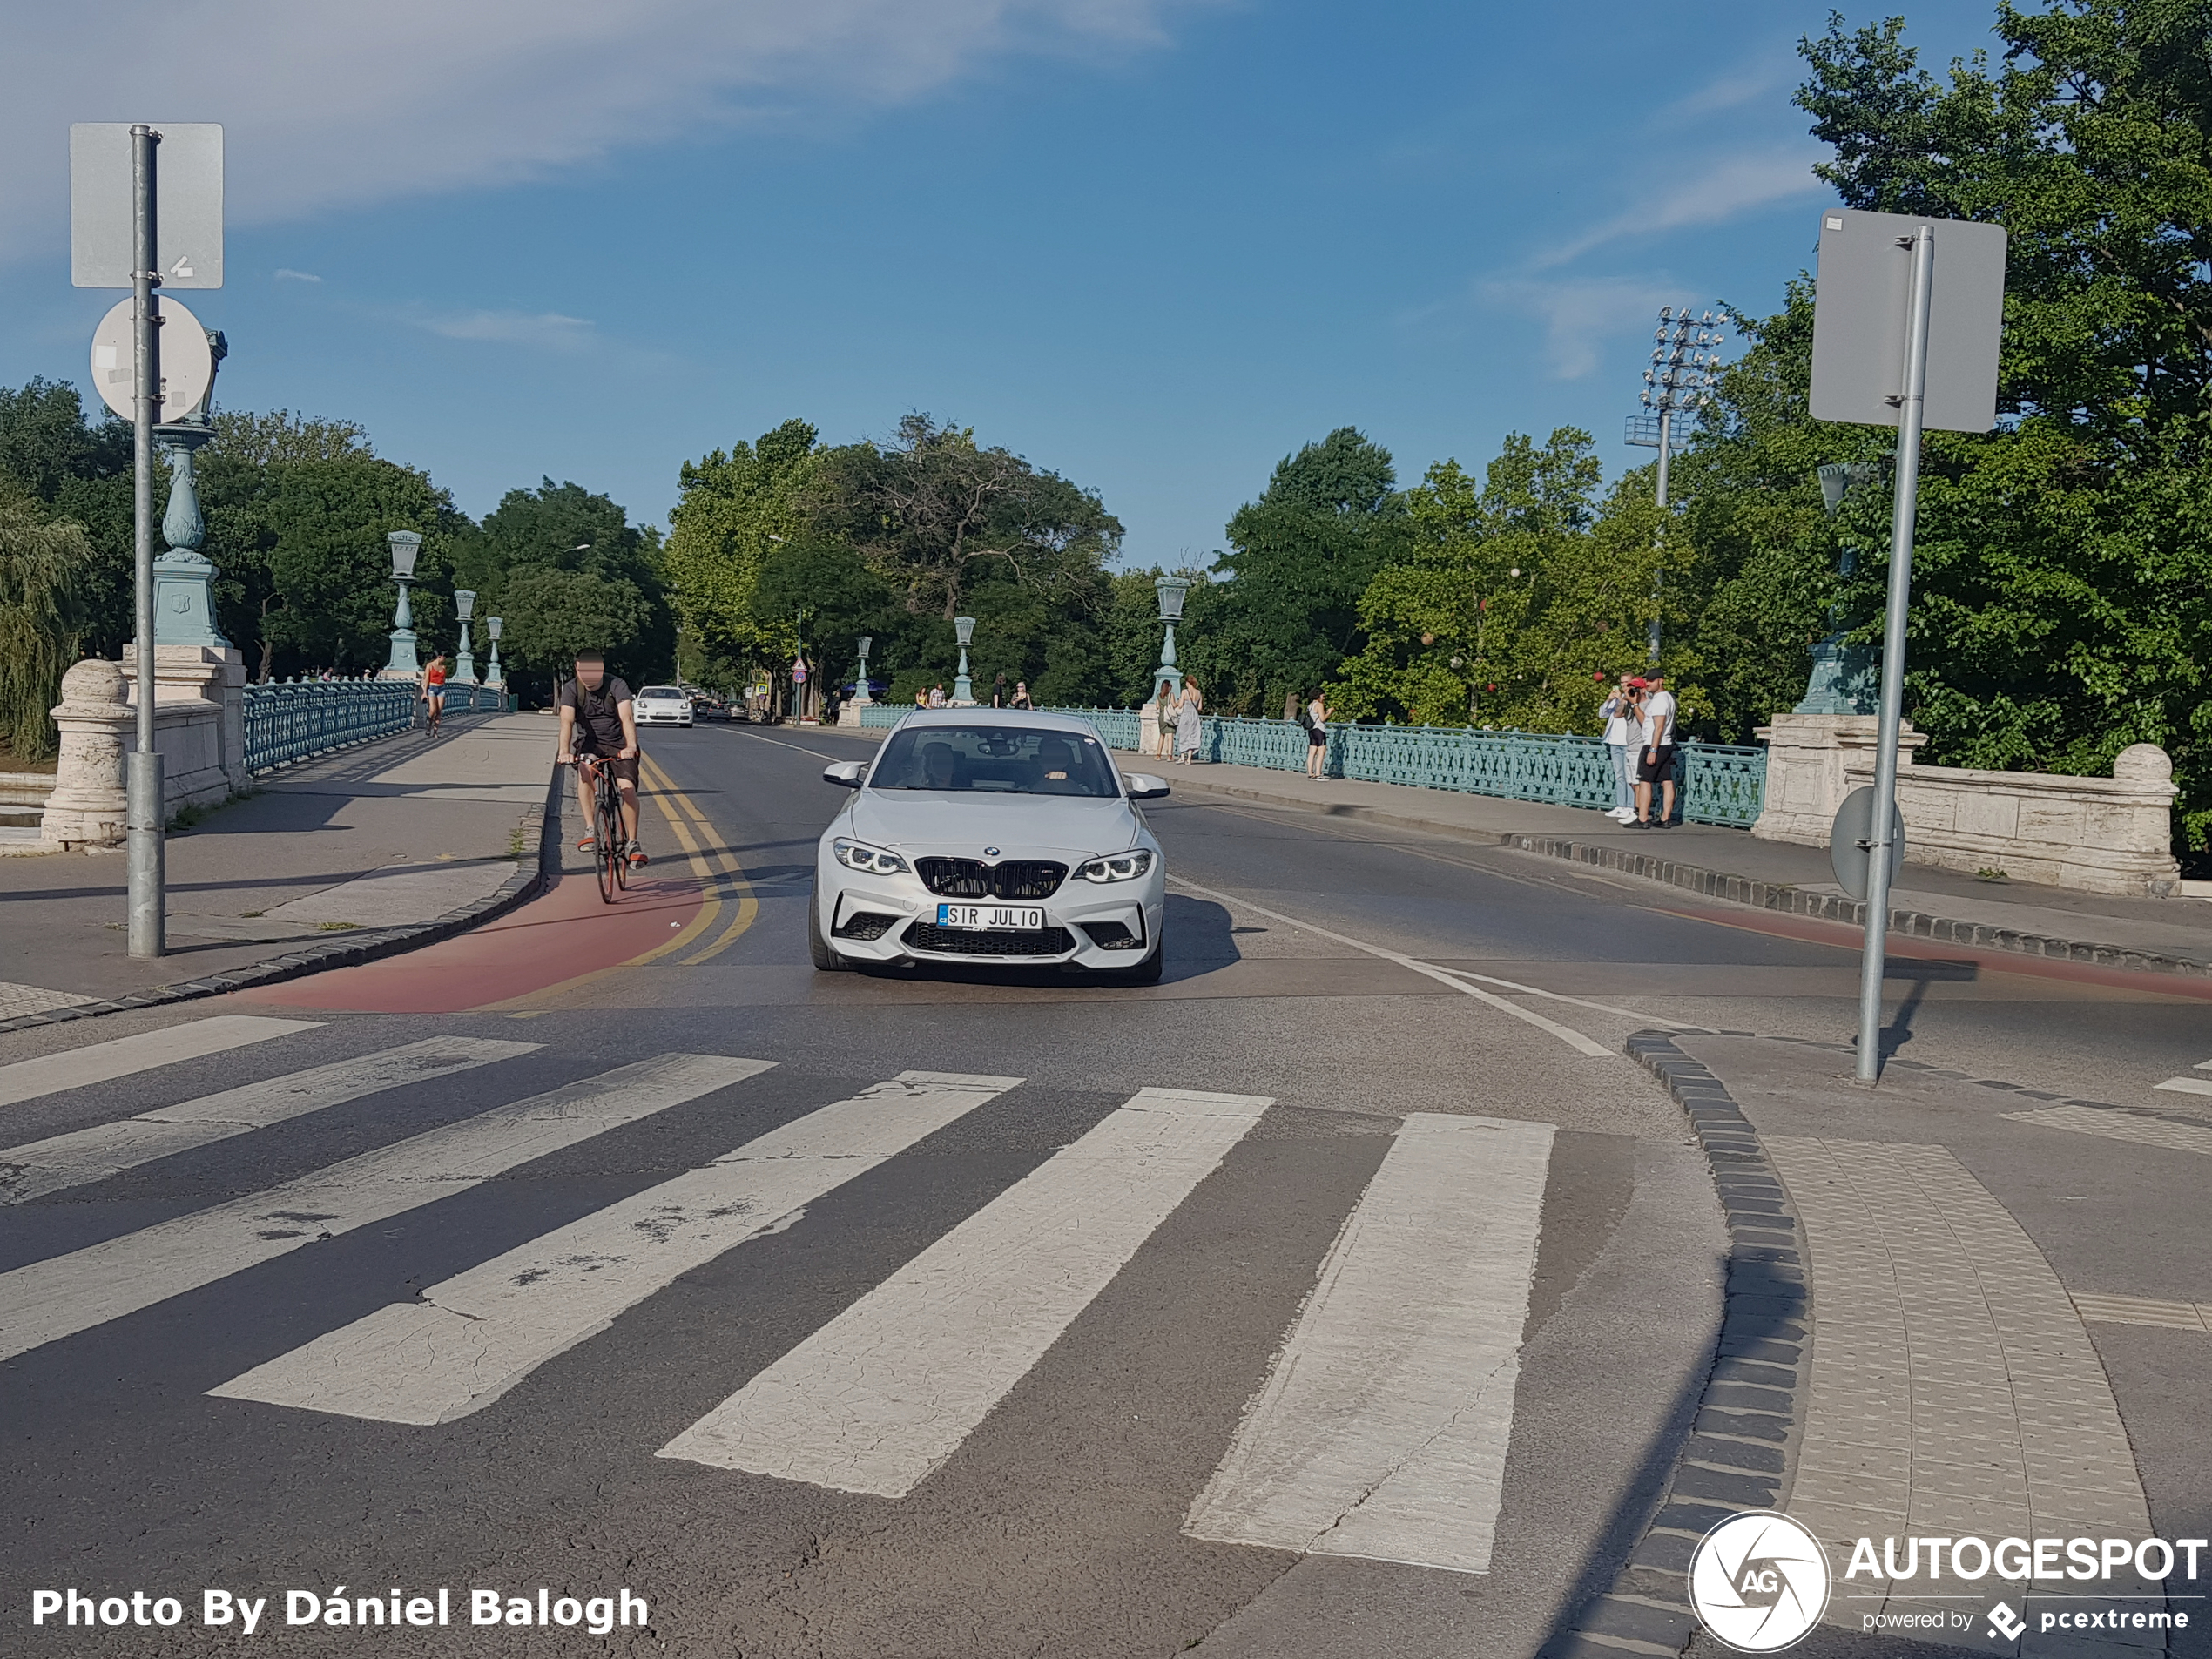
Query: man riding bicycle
[{"x": 599, "y": 728}]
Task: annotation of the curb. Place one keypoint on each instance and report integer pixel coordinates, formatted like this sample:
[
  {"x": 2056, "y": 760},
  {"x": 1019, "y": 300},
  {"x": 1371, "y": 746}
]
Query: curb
[
  {"x": 1830, "y": 907},
  {"x": 1745, "y": 890},
  {"x": 1740, "y": 1442},
  {"x": 517, "y": 890}
]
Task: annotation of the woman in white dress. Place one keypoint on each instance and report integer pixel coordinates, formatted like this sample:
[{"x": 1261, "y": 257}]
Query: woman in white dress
[{"x": 1190, "y": 722}]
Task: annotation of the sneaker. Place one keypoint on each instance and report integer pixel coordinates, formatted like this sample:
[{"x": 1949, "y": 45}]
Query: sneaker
[
  {"x": 637, "y": 859},
  {"x": 588, "y": 844}
]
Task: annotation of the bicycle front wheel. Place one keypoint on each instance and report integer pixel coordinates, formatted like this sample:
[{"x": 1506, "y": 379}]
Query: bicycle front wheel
[{"x": 608, "y": 827}]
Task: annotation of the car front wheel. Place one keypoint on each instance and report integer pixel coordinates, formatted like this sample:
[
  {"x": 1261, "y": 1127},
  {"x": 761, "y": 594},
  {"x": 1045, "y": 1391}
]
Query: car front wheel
[{"x": 818, "y": 946}]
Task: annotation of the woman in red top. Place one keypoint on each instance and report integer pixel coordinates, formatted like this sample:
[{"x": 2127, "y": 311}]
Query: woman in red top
[{"x": 434, "y": 690}]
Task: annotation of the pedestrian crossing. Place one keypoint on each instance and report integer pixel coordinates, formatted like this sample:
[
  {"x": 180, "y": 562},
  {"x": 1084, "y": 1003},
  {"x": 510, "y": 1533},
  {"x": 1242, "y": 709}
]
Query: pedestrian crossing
[
  {"x": 1381, "y": 1433},
  {"x": 2190, "y": 1085}
]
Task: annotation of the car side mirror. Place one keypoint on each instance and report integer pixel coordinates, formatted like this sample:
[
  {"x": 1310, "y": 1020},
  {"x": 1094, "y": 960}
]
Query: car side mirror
[
  {"x": 1143, "y": 786},
  {"x": 848, "y": 774}
]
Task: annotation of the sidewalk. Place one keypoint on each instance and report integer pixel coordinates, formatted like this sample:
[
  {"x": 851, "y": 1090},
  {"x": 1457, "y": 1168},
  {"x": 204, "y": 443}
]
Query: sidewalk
[
  {"x": 2158, "y": 935},
  {"x": 369, "y": 850}
]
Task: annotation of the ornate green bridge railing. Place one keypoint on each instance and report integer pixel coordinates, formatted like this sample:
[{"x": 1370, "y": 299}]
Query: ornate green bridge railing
[
  {"x": 291, "y": 720},
  {"x": 1717, "y": 783}
]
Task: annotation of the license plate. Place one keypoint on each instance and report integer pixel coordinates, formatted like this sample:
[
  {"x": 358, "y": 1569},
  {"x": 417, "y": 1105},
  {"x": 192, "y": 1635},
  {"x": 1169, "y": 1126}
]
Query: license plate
[{"x": 992, "y": 918}]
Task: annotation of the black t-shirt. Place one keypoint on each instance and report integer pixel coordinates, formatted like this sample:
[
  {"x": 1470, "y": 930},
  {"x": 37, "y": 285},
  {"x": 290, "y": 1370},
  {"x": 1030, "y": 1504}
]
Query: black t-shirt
[{"x": 598, "y": 717}]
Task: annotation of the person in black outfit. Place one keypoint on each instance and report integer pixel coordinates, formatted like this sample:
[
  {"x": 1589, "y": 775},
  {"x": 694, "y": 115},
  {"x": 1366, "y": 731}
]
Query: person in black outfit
[{"x": 599, "y": 727}]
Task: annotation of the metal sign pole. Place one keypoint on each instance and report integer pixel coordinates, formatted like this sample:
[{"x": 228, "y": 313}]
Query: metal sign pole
[
  {"x": 1910, "y": 411},
  {"x": 144, "y": 814}
]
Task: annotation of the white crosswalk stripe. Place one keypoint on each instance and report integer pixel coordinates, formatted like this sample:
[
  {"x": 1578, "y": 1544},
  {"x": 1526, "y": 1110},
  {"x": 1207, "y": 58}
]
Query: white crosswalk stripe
[
  {"x": 59, "y": 1297},
  {"x": 101, "y": 1062},
  {"x": 471, "y": 1339},
  {"x": 1382, "y": 1431},
  {"x": 885, "y": 1394},
  {"x": 40, "y": 1167}
]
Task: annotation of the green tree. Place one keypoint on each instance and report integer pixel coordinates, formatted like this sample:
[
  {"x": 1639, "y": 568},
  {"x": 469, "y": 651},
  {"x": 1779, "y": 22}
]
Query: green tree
[
  {"x": 1283, "y": 611},
  {"x": 42, "y": 567},
  {"x": 733, "y": 508},
  {"x": 551, "y": 614},
  {"x": 2063, "y": 571},
  {"x": 78, "y": 471}
]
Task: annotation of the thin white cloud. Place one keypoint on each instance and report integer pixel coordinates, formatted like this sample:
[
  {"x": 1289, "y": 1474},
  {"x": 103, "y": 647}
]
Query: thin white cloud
[
  {"x": 547, "y": 328},
  {"x": 286, "y": 274},
  {"x": 1702, "y": 193},
  {"x": 327, "y": 105},
  {"x": 1581, "y": 317}
]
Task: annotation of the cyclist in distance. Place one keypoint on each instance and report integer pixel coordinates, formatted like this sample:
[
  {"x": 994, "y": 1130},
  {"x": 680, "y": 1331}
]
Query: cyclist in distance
[{"x": 599, "y": 727}]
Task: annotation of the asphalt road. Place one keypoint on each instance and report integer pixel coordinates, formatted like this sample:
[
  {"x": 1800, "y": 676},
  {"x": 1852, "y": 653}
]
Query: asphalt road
[{"x": 1395, "y": 1068}]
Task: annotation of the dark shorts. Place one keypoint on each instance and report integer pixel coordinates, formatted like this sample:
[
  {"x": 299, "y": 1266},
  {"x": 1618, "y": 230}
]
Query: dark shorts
[
  {"x": 1315, "y": 738},
  {"x": 1656, "y": 766},
  {"x": 625, "y": 770}
]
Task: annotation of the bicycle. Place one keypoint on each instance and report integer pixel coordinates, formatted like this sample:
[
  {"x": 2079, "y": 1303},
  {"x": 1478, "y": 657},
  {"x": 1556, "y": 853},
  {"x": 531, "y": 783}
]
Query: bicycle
[{"x": 608, "y": 847}]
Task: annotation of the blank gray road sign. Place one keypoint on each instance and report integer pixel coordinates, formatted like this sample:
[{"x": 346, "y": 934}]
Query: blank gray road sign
[
  {"x": 187, "y": 364},
  {"x": 188, "y": 204},
  {"x": 1854, "y": 824},
  {"x": 1860, "y": 315}
]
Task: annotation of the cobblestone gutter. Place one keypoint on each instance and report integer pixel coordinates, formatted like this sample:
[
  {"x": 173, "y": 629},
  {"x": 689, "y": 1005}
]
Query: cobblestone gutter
[{"x": 1750, "y": 1418}]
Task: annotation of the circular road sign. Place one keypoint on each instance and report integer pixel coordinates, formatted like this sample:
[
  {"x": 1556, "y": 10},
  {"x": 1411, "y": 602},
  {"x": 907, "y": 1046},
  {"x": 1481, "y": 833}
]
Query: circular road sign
[{"x": 188, "y": 367}]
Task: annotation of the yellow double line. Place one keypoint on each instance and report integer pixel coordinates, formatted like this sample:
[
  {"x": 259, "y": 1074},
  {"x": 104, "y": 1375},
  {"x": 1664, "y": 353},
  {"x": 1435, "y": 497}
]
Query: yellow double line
[{"x": 720, "y": 875}]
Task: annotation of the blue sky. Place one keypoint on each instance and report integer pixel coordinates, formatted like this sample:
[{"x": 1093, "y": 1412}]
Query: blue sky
[{"x": 1152, "y": 245}]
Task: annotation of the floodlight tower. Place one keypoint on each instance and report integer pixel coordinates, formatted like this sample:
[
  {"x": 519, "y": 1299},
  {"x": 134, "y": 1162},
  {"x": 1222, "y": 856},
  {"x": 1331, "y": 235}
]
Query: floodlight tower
[{"x": 1684, "y": 369}]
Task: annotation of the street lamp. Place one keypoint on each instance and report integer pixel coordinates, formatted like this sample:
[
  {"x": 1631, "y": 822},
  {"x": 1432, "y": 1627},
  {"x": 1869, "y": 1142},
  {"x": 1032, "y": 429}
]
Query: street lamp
[
  {"x": 1844, "y": 678},
  {"x": 492, "y": 626},
  {"x": 464, "y": 604},
  {"x": 1684, "y": 371},
  {"x": 964, "y": 693},
  {"x": 1171, "y": 590},
  {"x": 406, "y": 547},
  {"x": 860, "y": 690}
]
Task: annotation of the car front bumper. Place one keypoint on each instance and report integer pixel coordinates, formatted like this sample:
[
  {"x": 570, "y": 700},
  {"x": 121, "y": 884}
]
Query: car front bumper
[{"x": 901, "y": 915}]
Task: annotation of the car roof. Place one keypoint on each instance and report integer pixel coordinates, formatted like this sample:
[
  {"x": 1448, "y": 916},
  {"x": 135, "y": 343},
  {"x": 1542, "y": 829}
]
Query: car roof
[{"x": 1029, "y": 719}]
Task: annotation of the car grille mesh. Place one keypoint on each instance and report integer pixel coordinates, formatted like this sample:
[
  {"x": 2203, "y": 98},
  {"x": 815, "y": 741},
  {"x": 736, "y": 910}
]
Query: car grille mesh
[
  {"x": 973, "y": 879},
  {"x": 866, "y": 924},
  {"x": 960, "y": 941}
]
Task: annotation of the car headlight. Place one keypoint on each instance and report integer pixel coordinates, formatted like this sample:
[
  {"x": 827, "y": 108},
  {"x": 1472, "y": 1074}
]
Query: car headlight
[
  {"x": 858, "y": 855},
  {"x": 1122, "y": 866}
]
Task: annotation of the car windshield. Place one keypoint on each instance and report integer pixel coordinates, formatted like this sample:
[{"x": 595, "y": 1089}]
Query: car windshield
[
  {"x": 994, "y": 759},
  {"x": 660, "y": 690}
]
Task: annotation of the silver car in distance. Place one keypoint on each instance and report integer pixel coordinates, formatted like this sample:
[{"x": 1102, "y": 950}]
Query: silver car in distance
[{"x": 993, "y": 837}]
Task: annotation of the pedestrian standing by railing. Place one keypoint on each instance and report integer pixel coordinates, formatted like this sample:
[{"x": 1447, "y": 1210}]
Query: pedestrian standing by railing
[
  {"x": 1623, "y": 731},
  {"x": 1164, "y": 705},
  {"x": 1188, "y": 722},
  {"x": 1655, "y": 770},
  {"x": 1317, "y": 736}
]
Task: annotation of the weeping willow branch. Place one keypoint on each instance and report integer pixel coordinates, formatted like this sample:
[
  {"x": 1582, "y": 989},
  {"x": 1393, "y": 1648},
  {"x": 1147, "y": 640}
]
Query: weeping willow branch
[{"x": 42, "y": 621}]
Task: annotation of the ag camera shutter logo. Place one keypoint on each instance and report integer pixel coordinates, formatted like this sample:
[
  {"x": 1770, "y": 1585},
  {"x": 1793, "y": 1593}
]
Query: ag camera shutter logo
[{"x": 1759, "y": 1580}]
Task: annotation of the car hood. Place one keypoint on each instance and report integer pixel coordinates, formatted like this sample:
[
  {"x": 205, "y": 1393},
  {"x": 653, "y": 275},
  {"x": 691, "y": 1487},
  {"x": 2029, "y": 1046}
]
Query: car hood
[{"x": 962, "y": 825}]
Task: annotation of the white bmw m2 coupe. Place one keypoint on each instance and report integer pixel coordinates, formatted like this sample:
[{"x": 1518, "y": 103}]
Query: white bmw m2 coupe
[{"x": 990, "y": 836}]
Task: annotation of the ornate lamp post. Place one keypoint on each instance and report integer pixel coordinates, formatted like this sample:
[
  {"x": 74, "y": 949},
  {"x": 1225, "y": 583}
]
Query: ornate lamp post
[
  {"x": 1171, "y": 590},
  {"x": 964, "y": 693},
  {"x": 1846, "y": 679},
  {"x": 860, "y": 685},
  {"x": 492, "y": 626},
  {"x": 406, "y": 547},
  {"x": 464, "y": 603}
]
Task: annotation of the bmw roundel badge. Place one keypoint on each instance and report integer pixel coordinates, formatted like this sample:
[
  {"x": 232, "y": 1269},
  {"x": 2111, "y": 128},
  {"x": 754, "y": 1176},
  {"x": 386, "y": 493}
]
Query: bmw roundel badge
[{"x": 990, "y": 852}]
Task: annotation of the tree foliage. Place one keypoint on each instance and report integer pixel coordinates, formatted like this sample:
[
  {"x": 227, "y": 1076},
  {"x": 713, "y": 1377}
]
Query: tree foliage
[{"x": 43, "y": 564}]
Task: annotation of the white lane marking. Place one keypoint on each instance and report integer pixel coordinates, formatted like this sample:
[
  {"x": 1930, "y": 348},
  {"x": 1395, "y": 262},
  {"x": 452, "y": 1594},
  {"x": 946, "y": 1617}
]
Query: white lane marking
[
  {"x": 2186, "y": 1085},
  {"x": 881, "y": 1397},
  {"x": 59, "y": 1161},
  {"x": 2202, "y": 1065},
  {"x": 802, "y": 747},
  {"x": 101, "y": 1062},
  {"x": 1381, "y": 1432},
  {"x": 473, "y": 1338},
  {"x": 1566, "y": 1035},
  {"x": 62, "y": 1295},
  {"x": 2121, "y": 1126},
  {"x": 1578, "y": 1001}
]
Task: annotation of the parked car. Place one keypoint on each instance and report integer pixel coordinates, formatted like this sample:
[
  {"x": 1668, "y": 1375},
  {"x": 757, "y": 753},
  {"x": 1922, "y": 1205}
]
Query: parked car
[
  {"x": 989, "y": 836},
  {"x": 663, "y": 705}
]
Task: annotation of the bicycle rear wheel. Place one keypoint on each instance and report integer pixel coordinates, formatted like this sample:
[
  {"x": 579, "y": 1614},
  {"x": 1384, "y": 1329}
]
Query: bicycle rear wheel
[{"x": 607, "y": 825}]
